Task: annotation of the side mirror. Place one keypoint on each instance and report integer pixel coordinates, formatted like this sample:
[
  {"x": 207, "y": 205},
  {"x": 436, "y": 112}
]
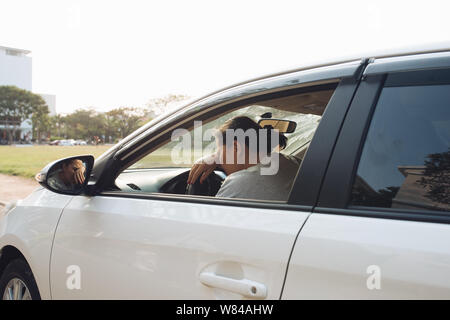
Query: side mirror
[
  {"x": 67, "y": 176},
  {"x": 283, "y": 126}
]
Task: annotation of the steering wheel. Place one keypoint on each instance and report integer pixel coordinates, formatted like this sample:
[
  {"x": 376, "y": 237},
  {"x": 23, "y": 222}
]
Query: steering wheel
[{"x": 209, "y": 187}]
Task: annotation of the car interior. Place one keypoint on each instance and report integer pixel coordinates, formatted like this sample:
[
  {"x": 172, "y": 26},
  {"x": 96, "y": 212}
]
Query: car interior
[{"x": 156, "y": 172}]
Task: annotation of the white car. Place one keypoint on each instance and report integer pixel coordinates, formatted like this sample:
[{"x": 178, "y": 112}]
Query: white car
[
  {"x": 367, "y": 216},
  {"x": 69, "y": 142},
  {"x": 80, "y": 143}
]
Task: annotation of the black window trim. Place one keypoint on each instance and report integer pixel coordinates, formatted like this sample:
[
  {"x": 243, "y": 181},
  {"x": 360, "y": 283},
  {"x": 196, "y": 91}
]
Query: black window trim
[
  {"x": 338, "y": 181},
  {"x": 431, "y": 77},
  {"x": 335, "y": 200},
  {"x": 307, "y": 185},
  {"x": 387, "y": 213}
]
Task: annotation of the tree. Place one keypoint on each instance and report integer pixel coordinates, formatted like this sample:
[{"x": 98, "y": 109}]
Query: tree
[
  {"x": 16, "y": 106},
  {"x": 125, "y": 120},
  {"x": 57, "y": 123},
  {"x": 41, "y": 121},
  {"x": 87, "y": 124},
  {"x": 83, "y": 124},
  {"x": 436, "y": 177},
  {"x": 110, "y": 127}
]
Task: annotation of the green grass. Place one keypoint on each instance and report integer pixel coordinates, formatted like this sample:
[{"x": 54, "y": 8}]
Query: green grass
[
  {"x": 27, "y": 161},
  {"x": 162, "y": 157}
]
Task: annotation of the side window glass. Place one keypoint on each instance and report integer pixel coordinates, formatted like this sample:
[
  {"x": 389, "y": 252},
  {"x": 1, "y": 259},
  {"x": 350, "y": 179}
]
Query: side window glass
[
  {"x": 299, "y": 140},
  {"x": 405, "y": 161},
  {"x": 166, "y": 167}
]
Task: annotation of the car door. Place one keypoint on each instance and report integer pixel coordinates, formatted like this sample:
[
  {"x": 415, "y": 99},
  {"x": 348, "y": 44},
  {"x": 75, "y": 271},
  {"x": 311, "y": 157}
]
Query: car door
[
  {"x": 131, "y": 248},
  {"x": 122, "y": 245},
  {"x": 381, "y": 225}
]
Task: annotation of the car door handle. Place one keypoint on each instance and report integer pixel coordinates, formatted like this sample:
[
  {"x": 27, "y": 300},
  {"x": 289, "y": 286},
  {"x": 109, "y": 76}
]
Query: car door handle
[{"x": 245, "y": 287}]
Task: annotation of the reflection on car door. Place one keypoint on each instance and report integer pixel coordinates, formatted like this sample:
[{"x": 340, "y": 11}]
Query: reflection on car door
[{"x": 158, "y": 249}]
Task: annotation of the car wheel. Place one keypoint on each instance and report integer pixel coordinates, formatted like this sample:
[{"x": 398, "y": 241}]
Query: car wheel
[{"x": 17, "y": 282}]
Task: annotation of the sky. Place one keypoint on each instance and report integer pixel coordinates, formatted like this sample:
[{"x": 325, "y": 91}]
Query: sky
[{"x": 108, "y": 54}]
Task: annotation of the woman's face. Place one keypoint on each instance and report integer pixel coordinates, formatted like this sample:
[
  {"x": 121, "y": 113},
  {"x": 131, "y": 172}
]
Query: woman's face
[
  {"x": 68, "y": 172},
  {"x": 228, "y": 155}
]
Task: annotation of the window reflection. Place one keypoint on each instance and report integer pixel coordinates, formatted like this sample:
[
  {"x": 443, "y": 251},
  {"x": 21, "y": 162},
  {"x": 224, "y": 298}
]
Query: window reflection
[{"x": 405, "y": 159}]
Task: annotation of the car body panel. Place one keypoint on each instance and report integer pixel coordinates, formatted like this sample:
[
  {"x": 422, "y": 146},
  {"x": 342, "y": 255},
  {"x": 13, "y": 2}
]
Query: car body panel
[
  {"x": 29, "y": 227},
  {"x": 139, "y": 248},
  {"x": 333, "y": 256}
]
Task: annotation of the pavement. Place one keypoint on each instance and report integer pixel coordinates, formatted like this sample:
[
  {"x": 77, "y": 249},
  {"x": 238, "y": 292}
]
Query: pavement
[{"x": 14, "y": 188}]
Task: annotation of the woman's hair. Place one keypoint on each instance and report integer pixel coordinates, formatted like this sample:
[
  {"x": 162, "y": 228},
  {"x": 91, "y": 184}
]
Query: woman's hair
[
  {"x": 68, "y": 162},
  {"x": 245, "y": 123}
]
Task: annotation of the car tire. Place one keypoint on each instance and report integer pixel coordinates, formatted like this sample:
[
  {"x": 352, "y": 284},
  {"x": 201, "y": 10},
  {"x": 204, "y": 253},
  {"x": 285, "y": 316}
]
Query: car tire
[{"x": 18, "y": 277}]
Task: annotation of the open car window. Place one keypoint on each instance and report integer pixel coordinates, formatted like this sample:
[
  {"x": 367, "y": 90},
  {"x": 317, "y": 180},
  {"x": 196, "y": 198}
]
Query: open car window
[
  {"x": 165, "y": 168},
  {"x": 167, "y": 156}
]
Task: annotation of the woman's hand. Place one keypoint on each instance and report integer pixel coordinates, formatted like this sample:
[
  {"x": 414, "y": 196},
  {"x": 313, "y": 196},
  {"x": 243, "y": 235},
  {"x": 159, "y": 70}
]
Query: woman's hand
[
  {"x": 78, "y": 172},
  {"x": 202, "y": 168}
]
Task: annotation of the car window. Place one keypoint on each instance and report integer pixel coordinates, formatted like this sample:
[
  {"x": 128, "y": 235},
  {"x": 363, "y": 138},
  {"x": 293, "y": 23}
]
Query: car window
[
  {"x": 165, "y": 168},
  {"x": 167, "y": 156},
  {"x": 405, "y": 161}
]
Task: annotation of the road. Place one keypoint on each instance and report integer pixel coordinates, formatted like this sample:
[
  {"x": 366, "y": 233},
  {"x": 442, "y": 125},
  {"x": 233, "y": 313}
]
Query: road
[{"x": 14, "y": 188}]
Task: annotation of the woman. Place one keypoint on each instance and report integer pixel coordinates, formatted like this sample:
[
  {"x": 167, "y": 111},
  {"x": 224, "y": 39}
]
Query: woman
[
  {"x": 246, "y": 153},
  {"x": 69, "y": 177}
]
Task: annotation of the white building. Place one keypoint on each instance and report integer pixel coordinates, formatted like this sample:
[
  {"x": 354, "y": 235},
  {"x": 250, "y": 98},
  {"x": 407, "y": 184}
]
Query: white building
[
  {"x": 50, "y": 100},
  {"x": 16, "y": 70}
]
